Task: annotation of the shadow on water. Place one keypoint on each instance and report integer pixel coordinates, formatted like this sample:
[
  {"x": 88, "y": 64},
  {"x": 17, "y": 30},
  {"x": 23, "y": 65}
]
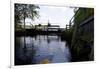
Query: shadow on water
[{"x": 41, "y": 49}]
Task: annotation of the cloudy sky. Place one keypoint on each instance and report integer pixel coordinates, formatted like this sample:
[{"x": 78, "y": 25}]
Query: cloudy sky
[{"x": 55, "y": 15}]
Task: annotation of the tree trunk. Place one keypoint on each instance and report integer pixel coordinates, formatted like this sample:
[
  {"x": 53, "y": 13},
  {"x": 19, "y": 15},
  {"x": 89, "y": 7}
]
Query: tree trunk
[{"x": 24, "y": 32}]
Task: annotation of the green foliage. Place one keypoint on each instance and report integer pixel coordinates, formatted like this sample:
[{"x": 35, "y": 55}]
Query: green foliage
[
  {"x": 87, "y": 37},
  {"x": 82, "y": 14},
  {"x": 67, "y": 35},
  {"x": 82, "y": 39},
  {"x": 23, "y": 11}
]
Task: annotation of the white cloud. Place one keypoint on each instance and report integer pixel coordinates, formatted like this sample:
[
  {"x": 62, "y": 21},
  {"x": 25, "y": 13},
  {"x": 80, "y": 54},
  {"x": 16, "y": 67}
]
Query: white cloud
[{"x": 56, "y": 15}]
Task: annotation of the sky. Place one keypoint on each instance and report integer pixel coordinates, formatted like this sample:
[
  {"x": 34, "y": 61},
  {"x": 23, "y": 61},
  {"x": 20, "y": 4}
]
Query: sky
[{"x": 54, "y": 15}]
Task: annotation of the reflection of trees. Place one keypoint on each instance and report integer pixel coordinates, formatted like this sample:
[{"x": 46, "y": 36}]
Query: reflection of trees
[
  {"x": 29, "y": 51},
  {"x": 24, "y": 42},
  {"x": 48, "y": 40},
  {"x": 33, "y": 51}
]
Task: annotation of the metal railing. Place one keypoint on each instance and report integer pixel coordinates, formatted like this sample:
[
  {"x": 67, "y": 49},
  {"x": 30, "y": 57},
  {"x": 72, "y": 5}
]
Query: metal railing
[{"x": 71, "y": 22}]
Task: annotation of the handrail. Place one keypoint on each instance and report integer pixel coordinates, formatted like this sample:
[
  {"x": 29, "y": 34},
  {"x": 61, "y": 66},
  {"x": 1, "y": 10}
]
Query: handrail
[{"x": 72, "y": 19}]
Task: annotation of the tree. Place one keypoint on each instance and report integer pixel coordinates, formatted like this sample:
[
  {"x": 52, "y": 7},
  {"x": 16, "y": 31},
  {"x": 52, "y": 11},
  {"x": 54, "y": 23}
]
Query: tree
[
  {"x": 23, "y": 11},
  {"x": 39, "y": 25}
]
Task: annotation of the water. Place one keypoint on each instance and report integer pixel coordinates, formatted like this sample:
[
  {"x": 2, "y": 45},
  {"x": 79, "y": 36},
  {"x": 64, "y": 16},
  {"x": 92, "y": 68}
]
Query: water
[{"x": 41, "y": 49}]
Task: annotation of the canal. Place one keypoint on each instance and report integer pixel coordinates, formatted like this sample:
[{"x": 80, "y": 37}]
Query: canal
[{"x": 41, "y": 49}]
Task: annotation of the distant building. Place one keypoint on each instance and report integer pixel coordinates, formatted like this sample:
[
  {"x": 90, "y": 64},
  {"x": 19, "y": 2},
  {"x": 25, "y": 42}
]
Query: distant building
[{"x": 47, "y": 28}]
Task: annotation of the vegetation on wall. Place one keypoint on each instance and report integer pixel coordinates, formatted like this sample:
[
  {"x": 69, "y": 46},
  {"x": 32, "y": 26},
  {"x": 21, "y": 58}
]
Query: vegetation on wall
[
  {"x": 80, "y": 38},
  {"x": 82, "y": 14},
  {"x": 83, "y": 36}
]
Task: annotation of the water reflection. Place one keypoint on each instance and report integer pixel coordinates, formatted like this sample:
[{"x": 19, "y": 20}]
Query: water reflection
[{"x": 40, "y": 49}]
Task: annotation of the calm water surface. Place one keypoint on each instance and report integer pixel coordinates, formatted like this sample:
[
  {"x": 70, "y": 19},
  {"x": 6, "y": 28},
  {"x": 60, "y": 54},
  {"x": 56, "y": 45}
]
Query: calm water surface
[{"x": 41, "y": 49}]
